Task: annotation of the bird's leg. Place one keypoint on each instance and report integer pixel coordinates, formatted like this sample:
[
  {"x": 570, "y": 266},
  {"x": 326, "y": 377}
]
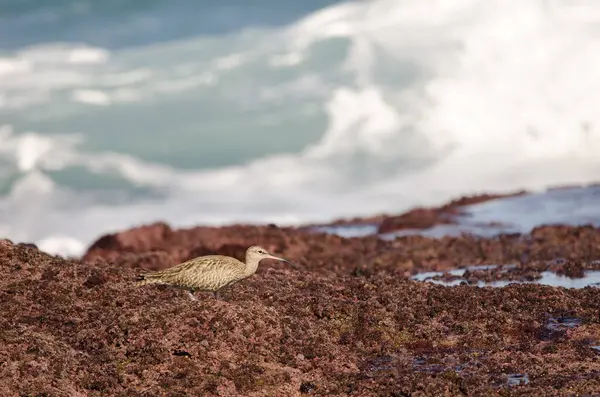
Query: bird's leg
[
  {"x": 191, "y": 294},
  {"x": 216, "y": 295}
]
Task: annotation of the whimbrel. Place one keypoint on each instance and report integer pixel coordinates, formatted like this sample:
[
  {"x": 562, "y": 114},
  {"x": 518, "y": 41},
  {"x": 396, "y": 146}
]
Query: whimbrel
[{"x": 210, "y": 272}]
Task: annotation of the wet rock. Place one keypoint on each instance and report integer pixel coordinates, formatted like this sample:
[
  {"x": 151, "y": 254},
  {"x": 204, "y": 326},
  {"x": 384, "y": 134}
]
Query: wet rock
[
  {"x": 522, "y": 272},
  {"x": 424, "y": 218},
  {"x": 569, "y": 268},
  {"x": 30, "y": 245},
  {"x": 95, "y": 279},
  {"x": 363, "y": 256},
  {"x": 140, "y": 239},
  {"x": 82, "y": 327},
  {"x": 556, "y": 327},
  {"x": 307, "y": 387},
  {"x": 349, "y": 322},
  {"x": 420, "y": 218},
  {"x": 517, "y": 379}
]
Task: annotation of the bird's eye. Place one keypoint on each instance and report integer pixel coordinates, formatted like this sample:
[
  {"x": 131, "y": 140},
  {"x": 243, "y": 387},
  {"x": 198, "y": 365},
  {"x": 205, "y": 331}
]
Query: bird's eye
[{"x": 261, "y": 251}]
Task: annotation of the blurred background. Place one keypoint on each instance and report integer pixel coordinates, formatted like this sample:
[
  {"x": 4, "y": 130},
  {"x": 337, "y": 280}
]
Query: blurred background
[{"x": 115, "y": 113}]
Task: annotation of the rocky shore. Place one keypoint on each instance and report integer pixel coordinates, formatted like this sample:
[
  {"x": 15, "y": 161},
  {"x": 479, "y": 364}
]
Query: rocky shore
[{"x": 349, "y": 322}]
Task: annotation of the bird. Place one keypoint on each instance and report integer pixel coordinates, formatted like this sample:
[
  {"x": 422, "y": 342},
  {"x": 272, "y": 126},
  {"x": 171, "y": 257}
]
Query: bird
[{"x": 210, "y": 272}]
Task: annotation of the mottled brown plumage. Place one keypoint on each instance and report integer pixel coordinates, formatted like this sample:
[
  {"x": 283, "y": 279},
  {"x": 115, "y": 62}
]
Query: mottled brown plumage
[{"x": 210, "y": 272}]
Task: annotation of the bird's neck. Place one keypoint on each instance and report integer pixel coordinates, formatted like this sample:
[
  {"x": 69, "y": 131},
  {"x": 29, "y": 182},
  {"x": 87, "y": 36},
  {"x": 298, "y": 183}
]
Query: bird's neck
[{"x": 251, "y": 266}]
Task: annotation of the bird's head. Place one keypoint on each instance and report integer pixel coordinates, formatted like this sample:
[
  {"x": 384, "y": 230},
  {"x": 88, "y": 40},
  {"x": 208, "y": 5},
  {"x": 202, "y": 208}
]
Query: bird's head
[{"x": 256, "y": 253}]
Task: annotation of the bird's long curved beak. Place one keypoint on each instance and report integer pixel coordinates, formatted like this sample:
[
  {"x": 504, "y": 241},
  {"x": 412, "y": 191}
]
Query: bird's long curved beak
[{"x": 282, "y": 260}]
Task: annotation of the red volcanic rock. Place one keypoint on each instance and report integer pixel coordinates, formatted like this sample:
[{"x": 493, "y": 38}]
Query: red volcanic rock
[
  {"x": 83, "y": 328},
  {"x": 419, "y": 218},
  {"x": 330, "y": 254},
  {"x": 424, "y": 218},
  {"x": 479, "y": 198},
  {"x": 140, "y": 239}
]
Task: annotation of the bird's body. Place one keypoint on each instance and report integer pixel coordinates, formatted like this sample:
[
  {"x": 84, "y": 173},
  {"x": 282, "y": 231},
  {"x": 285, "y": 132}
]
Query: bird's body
[
  {"x": 206, "y": 273},
  {"x": 210, "y": 272}
]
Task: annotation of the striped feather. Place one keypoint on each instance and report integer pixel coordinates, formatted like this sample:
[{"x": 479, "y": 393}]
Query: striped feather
[{"x": 208, "y": 273}]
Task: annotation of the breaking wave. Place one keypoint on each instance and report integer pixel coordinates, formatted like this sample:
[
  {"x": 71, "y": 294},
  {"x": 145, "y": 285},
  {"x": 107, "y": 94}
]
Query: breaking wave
[{"x": 357, "y": 108}]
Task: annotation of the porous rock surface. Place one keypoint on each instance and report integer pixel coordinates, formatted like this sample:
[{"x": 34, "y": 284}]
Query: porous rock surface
[{"x": 348, "y": 323}]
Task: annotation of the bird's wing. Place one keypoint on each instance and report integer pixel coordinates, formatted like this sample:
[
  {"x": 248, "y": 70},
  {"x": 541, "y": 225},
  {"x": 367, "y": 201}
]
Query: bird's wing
[{"x": 204, "y": 268}]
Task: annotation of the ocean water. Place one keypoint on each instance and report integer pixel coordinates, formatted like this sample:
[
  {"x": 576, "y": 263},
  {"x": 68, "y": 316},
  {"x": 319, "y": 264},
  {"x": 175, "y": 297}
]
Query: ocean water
[
  {"x": 590, "y": 278},
  {"x": 119, "y": 113},
  {"x": 573, "y": 205}
]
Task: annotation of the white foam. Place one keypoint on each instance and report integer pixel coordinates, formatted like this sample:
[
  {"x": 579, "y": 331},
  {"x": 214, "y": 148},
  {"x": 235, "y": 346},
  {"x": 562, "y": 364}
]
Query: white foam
[
  {"x": 64, "y": 53},
  {"x": 62, "y": 245},
  {"x": 87, "y": 55},
  {"x": 127, "y": 78},
  {"x": 358, "y": 119},
  {"x": 31, "y": 188},
  {"x": 533, "y": 73},
  {"x": 126, "y": 95},
  {"x": 32, "y": 151},
  {"x": 230, "y": 61},
  {"x": 493, "y": 96},
  {"x": 333, "y": 21},
  {"x": 37, "y": 75},
  {"x": 13, "y": 66},
  {"x": 286, "y": 60},
  {"x": 92, "y": 97}
]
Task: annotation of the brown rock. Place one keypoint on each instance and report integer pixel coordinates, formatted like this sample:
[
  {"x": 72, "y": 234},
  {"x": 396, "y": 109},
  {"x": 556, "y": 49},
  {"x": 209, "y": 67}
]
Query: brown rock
[
  {"x": 348, "y": 323},
  {"x": 420, "y": 218},
  {"x": 330, "y": 255},
  {"x": 140, "y": 239},
  {"x": 424, "y": 218}
]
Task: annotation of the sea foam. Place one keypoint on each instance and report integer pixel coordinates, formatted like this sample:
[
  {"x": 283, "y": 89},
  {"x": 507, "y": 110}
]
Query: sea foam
[{"x": 406, "y": 103}]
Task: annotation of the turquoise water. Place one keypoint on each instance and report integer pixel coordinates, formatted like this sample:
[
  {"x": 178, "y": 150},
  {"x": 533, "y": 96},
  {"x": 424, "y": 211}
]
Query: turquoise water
[{"x": 119, "y": 113}]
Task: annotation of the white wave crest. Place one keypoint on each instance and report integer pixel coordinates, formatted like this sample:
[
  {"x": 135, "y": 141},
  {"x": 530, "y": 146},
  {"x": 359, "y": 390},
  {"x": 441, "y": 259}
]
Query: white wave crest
[{"x": 431, "y": 100}]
